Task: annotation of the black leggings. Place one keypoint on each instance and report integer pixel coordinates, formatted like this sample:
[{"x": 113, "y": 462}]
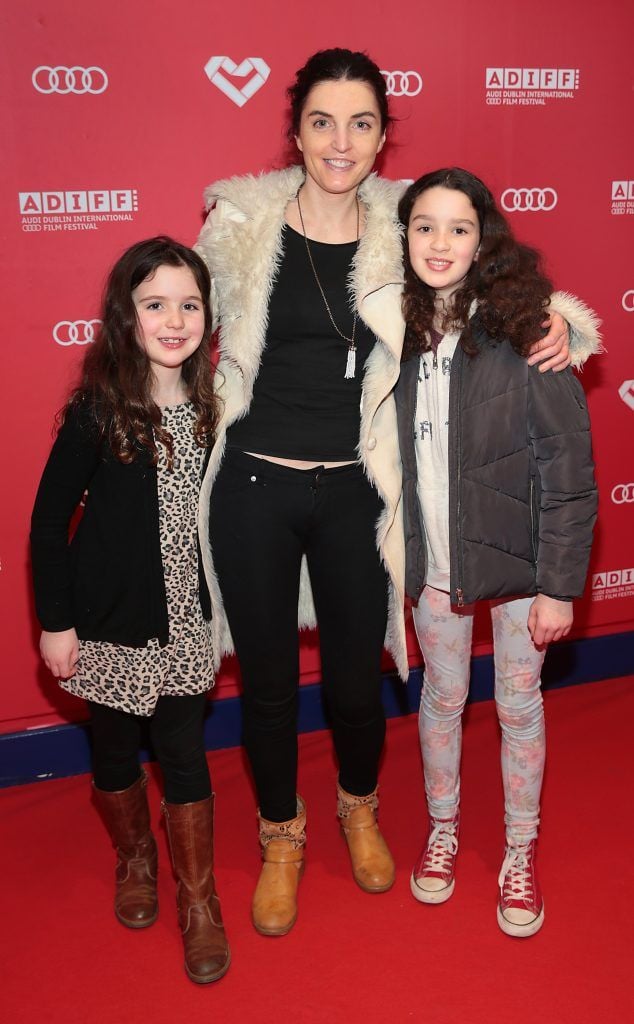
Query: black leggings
[
  {"x": 264, "y": 517},
  {"x": 176, "y": 730}
]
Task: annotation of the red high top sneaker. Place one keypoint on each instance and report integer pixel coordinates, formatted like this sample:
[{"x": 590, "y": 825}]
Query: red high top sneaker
[
  {"x": 433, "y": 879},
  {"x": 521, "y": 906}
]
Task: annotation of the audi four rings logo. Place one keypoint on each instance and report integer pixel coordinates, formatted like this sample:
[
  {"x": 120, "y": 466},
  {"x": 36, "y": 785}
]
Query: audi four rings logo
[
  {"x": 66, "y": 80},
  {"x": 75, "y": 332},
  {"x": 623, "y": 494},
  {"x": 521, "y": 200},
  {"x": 402, "y": 83},
  {"x": 628, "y": 301}
]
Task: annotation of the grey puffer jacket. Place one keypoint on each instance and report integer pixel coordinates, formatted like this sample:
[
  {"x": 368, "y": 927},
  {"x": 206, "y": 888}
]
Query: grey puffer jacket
[{"x": 522, "y": 493}]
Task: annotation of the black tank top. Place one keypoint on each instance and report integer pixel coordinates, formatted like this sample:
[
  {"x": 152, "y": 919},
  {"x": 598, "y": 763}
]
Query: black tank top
[{"x": 303, "y": 407}]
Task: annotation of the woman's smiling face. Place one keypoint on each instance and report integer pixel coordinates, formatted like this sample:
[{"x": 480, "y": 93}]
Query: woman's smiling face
[{"x": 340, "y": 134}]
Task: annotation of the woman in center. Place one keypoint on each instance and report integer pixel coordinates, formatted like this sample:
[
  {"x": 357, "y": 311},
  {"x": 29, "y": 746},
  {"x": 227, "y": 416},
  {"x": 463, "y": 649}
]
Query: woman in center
[{"x": 305, "y": 508}]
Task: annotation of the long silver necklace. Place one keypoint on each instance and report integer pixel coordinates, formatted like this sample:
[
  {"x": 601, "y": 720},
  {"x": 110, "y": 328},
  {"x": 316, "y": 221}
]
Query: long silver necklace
[{"x": 351, "y": 360}]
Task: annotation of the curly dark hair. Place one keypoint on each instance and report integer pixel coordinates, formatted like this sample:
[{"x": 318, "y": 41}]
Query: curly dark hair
[
  {"x": 116, "y": 379},
  {"x": 335, "y": 65},
  {"x": 506, "y": 280}
]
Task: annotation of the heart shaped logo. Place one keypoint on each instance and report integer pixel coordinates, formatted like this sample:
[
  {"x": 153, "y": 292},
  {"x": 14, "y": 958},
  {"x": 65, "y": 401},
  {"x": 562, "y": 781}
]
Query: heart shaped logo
[
  {"x": 626, "y": 391},
  {"x": 216, "y": 65}
]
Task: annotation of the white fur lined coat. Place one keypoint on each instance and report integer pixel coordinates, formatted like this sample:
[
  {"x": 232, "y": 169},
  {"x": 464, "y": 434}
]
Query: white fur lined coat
[{"x": 241, "y": 242}]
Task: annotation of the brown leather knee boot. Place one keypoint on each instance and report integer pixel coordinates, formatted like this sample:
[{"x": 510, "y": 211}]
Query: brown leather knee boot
[
  {"x": 372, "y": 864},
  {"x": 127, "y": 817},
  {"x": 190, "y": 831},
  {"x": 274, "y": 910}
]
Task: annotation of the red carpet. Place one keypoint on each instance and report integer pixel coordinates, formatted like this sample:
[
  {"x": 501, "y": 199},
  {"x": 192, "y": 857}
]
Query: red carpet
[{"x": 351, "y": 957}]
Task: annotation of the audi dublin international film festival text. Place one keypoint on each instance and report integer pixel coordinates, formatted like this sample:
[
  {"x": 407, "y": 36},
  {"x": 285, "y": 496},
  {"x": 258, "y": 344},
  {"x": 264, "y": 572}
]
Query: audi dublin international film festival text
[
  {"x": 529, "y": 87},
  {"x": 76, "y": 209}
]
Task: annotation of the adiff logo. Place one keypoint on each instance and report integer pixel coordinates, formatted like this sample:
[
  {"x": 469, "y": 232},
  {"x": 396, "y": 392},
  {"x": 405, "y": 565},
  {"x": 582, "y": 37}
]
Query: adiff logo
[
  {"x": 76, "y": 209},
  {"x": 529, "y": 87},
  {"x": 622, "y": 197},
  {"x": 615, "y": 583}
]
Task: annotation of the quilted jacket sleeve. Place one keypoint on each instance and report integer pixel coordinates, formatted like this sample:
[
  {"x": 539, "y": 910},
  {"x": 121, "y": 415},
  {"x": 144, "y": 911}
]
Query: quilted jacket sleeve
[{"x": 565, "y": 488}]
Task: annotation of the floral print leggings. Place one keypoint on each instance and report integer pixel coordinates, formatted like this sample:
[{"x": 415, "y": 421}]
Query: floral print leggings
[{"x": 444, "y": 634}]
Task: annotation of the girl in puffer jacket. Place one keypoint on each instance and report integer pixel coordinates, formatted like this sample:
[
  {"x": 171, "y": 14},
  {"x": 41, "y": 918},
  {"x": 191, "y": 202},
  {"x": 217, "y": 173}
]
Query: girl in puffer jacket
[{"x": 499, "y": 504}]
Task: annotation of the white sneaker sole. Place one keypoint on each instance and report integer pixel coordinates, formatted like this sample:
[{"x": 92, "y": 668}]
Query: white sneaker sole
[
  {"x": 520, "y": 931},
  {"x": 431, "y": 896}
]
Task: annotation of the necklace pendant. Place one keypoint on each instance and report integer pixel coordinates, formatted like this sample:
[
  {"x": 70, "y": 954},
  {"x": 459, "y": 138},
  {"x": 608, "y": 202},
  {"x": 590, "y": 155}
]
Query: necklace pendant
[{"x": 352, "y": 352}]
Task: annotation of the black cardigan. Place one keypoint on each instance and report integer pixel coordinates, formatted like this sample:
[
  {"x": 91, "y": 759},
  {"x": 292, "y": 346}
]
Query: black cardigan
[{"x": 108, "y": 582}]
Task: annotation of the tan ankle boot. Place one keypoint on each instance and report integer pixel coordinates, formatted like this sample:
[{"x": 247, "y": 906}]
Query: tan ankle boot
[
  {"x": 274, "y": 908},
  {"x": 190, "y": 830},
  {"x": 127, "y": 817},
  {"x": 372, "y": 864}
]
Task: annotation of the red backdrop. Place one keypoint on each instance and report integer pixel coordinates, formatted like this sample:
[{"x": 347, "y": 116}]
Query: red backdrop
[{"x": 117, "y": 115}]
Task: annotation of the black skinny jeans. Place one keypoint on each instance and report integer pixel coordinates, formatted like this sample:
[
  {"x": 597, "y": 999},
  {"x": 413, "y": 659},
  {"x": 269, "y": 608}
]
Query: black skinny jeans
[
  {"x": 176, "y": 730},
  {"x": 263, "y": 518}
]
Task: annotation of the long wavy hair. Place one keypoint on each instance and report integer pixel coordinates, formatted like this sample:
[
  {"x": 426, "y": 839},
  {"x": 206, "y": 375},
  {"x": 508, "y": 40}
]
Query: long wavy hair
[
  {"x": 505, "y": 280},
  {"x": 117, "y": 380}
]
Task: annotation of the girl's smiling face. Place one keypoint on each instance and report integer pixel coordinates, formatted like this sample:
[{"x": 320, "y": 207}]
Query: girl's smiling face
[
  {"x": 443, "y": 238},
  {"x": 171, "y": 316}
]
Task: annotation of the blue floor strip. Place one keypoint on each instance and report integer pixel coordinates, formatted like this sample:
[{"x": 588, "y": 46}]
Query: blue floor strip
[{"x": 62, "y": 750}]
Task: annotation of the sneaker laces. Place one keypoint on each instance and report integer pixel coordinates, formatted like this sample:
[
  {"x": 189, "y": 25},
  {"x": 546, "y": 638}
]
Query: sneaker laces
[
  {"x": 514, "y": 879},
  {"x": 442, "y": 845}
]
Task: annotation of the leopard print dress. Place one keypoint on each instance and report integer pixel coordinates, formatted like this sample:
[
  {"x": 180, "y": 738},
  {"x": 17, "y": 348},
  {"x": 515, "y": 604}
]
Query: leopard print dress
[{"x": 133, "y": 678}]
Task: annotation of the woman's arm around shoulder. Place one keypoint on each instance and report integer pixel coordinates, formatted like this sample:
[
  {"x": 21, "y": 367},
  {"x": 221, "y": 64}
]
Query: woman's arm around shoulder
[{"x": 573, "y": 335}]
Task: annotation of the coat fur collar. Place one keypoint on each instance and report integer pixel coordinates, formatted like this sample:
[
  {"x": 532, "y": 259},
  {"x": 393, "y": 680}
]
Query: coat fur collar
[
  {"x": 263, "y": 199},
  {"x": 245, "y": 249}
]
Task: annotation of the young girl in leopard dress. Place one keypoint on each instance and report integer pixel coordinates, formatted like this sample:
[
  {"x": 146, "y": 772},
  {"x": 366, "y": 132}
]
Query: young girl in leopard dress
[{"x": 124, "y": 607}]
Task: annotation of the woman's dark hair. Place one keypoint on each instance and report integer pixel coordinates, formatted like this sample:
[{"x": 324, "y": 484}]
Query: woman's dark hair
[
  {"x": 117, "y": 380},
  {"x": 334, "y": 66},
  {"x": 505, "y": 280}
]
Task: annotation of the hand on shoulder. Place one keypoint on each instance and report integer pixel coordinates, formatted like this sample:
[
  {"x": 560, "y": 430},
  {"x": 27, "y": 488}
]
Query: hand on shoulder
[{"x": 553, "y": 351}]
